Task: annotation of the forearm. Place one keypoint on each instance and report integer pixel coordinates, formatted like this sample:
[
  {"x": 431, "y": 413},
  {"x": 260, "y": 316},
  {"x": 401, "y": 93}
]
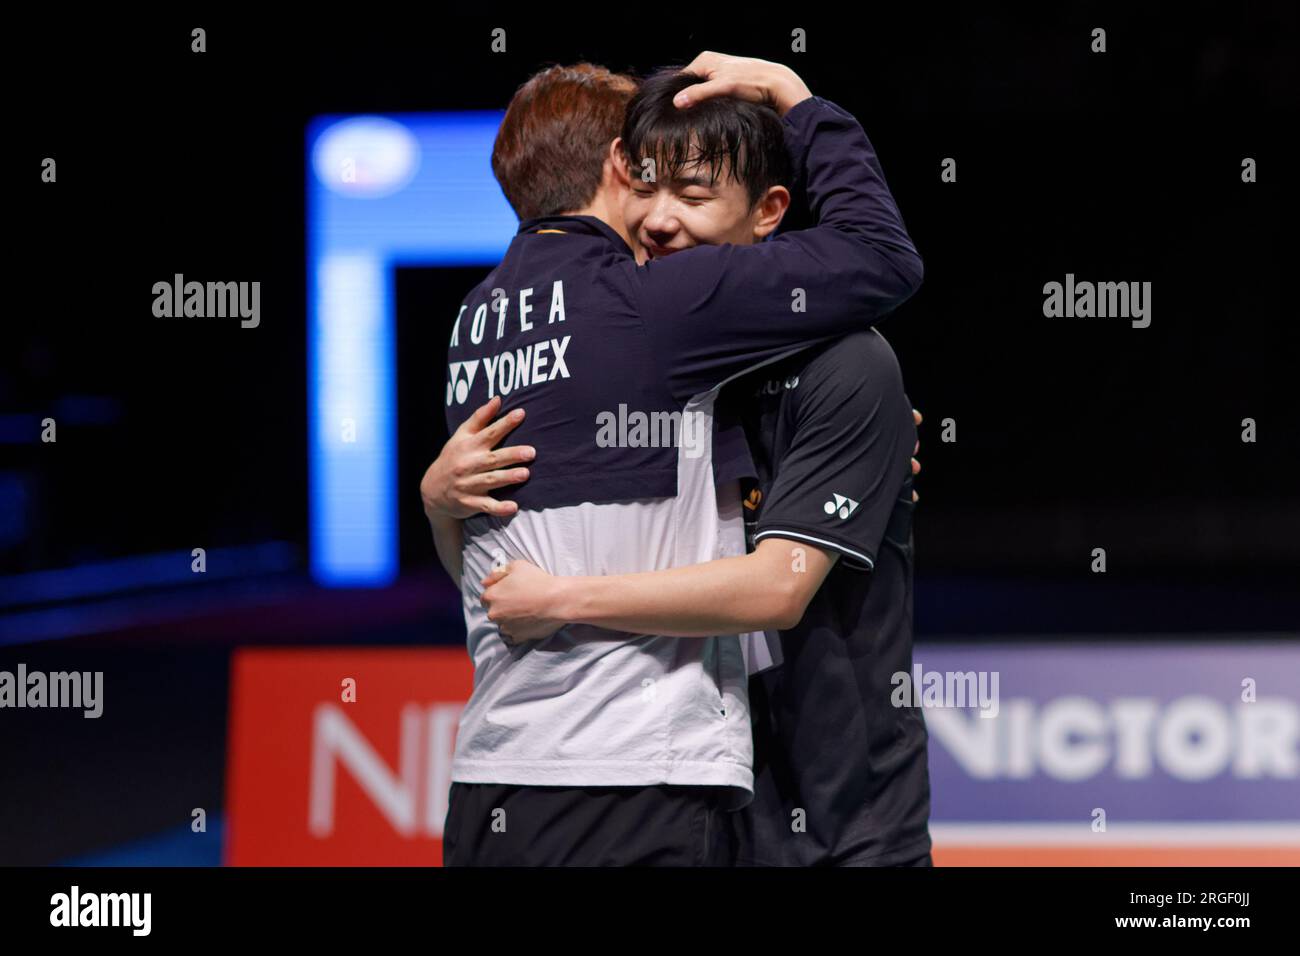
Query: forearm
[
  {"x": 447, "y": 540},
  {"x": 727, "y": 596}
]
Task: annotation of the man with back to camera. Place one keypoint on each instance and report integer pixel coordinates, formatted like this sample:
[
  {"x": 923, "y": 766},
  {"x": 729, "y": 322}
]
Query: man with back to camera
[
  {"x": 596, "y": 748},
  {"x": 841, "y": 776}
]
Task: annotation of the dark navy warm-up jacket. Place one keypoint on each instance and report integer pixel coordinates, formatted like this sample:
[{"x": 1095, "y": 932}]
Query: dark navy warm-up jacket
[{"x": 570, "y": 326}]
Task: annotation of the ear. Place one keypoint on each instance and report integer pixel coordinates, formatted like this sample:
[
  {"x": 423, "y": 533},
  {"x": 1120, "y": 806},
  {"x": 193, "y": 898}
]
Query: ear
[
  {"x": 770, "y": 210},
  {"x": 618, "y": 163}
]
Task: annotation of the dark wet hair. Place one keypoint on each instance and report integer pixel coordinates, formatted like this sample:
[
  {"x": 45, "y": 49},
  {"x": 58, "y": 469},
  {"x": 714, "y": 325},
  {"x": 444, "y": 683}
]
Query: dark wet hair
[{"x": 727, "y": 136}]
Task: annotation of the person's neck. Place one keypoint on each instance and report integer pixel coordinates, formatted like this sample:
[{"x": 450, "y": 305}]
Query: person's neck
[{"x": 607, "y": 212}]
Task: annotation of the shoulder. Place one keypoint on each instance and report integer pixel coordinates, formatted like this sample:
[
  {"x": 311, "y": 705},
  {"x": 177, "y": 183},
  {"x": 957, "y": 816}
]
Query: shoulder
[{"x": 858, "y": 369}]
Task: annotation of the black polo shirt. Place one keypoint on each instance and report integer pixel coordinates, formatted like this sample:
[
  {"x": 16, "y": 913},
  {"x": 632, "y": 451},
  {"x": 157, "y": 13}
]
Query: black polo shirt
[{"x": 840, "y": 774}]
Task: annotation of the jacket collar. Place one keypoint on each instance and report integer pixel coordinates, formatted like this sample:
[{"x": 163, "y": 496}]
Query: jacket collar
[{"x": 583, "y": 225}]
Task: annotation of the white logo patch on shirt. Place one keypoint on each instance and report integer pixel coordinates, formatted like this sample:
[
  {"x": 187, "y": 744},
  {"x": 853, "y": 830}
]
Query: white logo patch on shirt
[{"x": 844, "y": 505}]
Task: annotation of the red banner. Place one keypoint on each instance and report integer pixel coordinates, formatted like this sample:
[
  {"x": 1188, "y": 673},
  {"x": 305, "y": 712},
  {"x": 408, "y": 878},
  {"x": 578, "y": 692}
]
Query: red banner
[{"x": 341, "y": 757}]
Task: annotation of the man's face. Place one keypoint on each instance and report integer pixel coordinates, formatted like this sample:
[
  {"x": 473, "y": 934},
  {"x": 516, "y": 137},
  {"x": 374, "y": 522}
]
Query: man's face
[{"x": 692, "y": 209}]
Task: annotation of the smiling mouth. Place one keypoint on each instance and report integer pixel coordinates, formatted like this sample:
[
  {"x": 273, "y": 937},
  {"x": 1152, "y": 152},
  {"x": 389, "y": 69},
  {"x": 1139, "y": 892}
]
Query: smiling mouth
[{"x": 658, "y": 252}]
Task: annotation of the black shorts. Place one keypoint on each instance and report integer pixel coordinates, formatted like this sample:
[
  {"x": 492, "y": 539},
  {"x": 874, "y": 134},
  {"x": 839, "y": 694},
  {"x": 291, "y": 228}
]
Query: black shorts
[
  {"x": 492, "y": 824},
  {"x": 924, "y": 860}
]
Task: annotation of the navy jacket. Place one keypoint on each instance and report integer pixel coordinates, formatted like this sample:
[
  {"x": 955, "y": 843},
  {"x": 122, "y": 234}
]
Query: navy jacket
[{"x": 571, "y": 327}]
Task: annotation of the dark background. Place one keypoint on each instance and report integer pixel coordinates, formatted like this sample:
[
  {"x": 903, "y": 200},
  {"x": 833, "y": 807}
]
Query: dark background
[{"x": 1072, "y": 434}]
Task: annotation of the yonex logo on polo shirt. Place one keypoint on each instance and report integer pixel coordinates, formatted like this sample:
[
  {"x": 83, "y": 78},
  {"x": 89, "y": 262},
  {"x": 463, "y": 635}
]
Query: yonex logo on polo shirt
[{"x": 845, "y": 506}]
